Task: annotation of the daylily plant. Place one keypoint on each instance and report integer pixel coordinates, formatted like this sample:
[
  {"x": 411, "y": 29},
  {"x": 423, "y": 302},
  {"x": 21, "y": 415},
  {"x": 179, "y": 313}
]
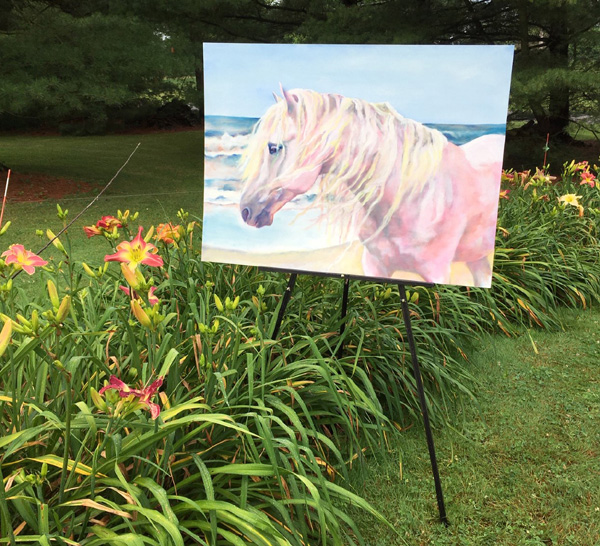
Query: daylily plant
[
  {"x": 23, "y": 259},
  {"x": 135, "y": 252}
]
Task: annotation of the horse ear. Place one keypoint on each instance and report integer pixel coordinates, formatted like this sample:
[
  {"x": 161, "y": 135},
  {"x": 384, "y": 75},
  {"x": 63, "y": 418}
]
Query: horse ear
[
  {"x": 277, "y": 97},
  {"x": 291, "y": 99}
]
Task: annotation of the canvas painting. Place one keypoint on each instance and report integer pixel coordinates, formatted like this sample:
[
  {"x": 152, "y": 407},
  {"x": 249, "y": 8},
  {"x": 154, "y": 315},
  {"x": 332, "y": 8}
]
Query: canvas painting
[{"x": 375, "y": 161}]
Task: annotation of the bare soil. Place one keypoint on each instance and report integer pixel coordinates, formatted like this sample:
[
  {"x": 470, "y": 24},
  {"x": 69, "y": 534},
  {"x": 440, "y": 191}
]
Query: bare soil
[{"x": 28, "y": 187}]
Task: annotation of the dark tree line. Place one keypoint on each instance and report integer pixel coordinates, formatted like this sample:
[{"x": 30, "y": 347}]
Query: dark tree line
[{"x": 63, "y": 60}]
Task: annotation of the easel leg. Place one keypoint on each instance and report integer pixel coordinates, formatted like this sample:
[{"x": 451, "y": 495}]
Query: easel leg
[
  {"x": 286, "y": 298},
  {"x": 340, "y": 349},
  {"x": 423, "y": 402}
]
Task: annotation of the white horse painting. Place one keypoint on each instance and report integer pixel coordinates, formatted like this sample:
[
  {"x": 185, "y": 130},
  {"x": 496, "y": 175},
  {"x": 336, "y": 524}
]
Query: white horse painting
[{"x": 418, "y": 202}]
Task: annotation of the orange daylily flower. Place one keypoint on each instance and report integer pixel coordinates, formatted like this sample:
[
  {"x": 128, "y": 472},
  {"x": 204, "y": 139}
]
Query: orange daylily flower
[
  {"x": 135, "y": 252},
  {"x": 23, "y": 259},
  {"x": 90, "y": 231},
  {"x": 167, "y": 233},
  {"x": 143, "y": 396}
]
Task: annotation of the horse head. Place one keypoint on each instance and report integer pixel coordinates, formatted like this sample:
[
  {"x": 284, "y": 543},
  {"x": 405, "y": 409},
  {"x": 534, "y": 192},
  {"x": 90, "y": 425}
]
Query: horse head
[{"x": 277, "y": 165}]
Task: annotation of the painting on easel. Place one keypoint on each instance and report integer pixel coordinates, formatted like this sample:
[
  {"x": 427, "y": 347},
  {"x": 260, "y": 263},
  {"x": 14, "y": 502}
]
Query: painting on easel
[{"x": 374, "y": 161}]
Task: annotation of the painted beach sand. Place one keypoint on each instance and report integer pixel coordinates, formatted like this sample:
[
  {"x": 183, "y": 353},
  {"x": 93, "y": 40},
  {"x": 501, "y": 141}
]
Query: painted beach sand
[{"x": 318, "y": 181}]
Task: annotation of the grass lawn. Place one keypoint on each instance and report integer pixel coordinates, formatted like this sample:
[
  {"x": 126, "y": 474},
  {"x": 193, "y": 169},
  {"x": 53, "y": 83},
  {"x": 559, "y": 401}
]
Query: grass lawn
[{"x": 524, "y": 468}]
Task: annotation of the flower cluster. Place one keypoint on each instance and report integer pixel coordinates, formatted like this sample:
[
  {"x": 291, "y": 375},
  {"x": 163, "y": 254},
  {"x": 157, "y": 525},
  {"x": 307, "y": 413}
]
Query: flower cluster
[{"x": 135, "y": 398}]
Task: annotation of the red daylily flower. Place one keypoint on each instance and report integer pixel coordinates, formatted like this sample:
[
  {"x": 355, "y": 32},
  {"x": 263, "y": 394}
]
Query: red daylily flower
[
  {"x": 143, "y": 396},
  {"x": 23, "y": 259},
  {"x": 504, "y": 194},
  {"x": 108, "y": 223},
  {"x": 167, "y": 233},
  {"x": 135, "y": 252}
]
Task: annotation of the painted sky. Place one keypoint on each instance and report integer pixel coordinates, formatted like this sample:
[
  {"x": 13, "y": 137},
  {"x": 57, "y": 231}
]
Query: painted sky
[{"x": 431, "y": 84}]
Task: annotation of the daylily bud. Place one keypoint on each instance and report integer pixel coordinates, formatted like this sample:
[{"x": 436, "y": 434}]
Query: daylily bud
[
  {"x": 149, "y": 234},
  {"x": 88, "y": 270},
  {"x": 63, "y": 310},
  {"x": 55, "y": 241},
  {"x": 35, "y": 320},
  {"x": 218, "y": 303},
  {"x": 5, "y": 336},
  {"x": 132, "y": 277},
  {"x": 39, "y": 232},
  {"x": 60, "y": 213},
  {"x": 140, "y": 314},
  {"x": 260, "y": 290},
  {"x": 44, "y": 471},
  {"x": 98, "y": 400},
  {"x": 53, "y": 293},
  {"x": 231, "y": 305},
  {"x": 5, "y": 228}
]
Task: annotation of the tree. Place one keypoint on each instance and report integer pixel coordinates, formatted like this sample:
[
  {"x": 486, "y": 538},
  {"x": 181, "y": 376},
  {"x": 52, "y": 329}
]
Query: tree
[{"x": 78, "y": 67}]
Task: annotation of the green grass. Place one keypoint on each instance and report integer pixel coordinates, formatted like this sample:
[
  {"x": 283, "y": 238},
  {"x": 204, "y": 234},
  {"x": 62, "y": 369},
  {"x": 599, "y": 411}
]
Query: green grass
[
  {"x": 524, "y": 469},
  {"x": 164, "y": 175}
]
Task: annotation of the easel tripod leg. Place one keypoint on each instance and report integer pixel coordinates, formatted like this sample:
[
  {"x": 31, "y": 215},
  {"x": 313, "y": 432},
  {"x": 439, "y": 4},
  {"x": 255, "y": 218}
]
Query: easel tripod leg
[
  {"x": 286, "y": 298},
  {"x": 423, "y": 402},
  {"x": 340, "y": 349}
]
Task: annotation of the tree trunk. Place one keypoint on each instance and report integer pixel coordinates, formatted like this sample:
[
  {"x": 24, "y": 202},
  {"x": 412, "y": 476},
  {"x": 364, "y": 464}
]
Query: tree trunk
[{"x": 559, "y": 107}]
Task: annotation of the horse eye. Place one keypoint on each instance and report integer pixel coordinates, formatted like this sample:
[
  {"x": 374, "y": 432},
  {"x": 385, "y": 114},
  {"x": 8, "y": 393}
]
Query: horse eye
[{"x": 274, "y": 148}]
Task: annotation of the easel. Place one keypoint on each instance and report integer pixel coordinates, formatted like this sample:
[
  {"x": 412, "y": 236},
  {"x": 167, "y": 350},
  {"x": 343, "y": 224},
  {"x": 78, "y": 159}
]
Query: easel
[{"x": 416, "y": 371}]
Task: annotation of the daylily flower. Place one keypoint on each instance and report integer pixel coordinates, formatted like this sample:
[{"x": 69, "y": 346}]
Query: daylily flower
[
  {"x": 570, "y": 199},
  {"x": 135, "y": 252},
  {"x": 90, "y": 231},
  {"x": 108, "y": 223},
  {"x": 23, "y": 259},
  {"x": 504, "y": 194},
  {"x": 152, "y": 299},
  {"x": 141, "y": 396},
  {"x": 573, "y": 200},
  {"x": 588, "y": 178},
  {"x": 167, "y": 233}
]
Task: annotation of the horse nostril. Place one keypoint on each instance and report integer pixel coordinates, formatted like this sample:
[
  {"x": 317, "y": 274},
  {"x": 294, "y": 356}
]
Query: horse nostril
[{"x": 245, "y": 214}]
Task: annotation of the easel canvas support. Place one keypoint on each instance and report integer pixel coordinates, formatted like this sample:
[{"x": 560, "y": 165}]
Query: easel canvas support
[{"x": 416, "y": 372}]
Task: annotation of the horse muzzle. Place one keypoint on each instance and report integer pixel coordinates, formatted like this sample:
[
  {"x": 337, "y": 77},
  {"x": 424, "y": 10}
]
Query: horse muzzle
[{"x": 263, "y": 218}]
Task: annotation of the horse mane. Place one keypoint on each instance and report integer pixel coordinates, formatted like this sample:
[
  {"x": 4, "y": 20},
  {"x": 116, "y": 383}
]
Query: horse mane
[{"x": 370, "y": 142}]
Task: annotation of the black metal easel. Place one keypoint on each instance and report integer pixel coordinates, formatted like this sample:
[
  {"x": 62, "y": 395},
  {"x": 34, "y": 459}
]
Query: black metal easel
[{"x": 416, "y": 371}]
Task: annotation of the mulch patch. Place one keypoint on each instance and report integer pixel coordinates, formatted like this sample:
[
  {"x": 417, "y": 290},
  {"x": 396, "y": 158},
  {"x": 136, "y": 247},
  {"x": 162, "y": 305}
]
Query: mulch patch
[{"x": 32, "y": 187}]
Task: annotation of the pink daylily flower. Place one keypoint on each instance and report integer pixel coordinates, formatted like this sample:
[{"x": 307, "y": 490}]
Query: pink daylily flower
[
  {"x": 152, "y": 299},
  {"x": 23, "y": 259},
  {"x": 588, "y": 178},
  {"x": 143, "y": 396},
  {"x": 135, "y": 252}
]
